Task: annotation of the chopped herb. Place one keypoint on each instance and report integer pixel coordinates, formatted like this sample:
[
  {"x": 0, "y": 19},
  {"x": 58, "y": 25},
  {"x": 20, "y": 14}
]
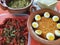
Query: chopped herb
[{"x": 18, "y": 3}]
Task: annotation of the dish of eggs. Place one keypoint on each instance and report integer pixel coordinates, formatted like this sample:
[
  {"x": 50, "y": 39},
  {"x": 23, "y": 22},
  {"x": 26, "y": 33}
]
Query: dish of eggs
[{"x": 46, "y": 26}]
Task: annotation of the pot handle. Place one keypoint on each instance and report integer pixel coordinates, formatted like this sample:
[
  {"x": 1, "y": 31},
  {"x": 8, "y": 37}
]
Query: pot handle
[
  {"x": 2, "y": 2},
  {"x": 32, "y": 9}
]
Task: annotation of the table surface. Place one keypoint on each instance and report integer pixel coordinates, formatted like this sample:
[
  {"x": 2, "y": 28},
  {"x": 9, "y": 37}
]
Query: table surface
[{"x": 33, "y": 42}]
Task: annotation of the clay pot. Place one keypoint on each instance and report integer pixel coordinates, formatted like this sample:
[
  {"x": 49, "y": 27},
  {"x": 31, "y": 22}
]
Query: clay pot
[
  {"x": 30, "y": 29},
  {"x": 15, "y": 10}
]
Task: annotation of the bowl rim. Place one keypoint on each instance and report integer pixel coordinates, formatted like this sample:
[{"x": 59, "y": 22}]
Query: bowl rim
[
  {"x": 30, "y": 29},
  {"x": 18, "y": 8}
]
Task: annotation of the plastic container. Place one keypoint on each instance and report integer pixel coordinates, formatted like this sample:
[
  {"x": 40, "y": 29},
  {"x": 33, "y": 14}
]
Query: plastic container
[{"x": 47, "y": 3}]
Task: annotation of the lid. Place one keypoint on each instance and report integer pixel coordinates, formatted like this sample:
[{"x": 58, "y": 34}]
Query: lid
[{"x": 48, "y": 2}]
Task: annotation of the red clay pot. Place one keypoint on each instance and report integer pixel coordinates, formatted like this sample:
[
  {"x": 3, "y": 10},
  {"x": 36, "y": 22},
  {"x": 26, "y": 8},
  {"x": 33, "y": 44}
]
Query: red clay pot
[{"x": 36, "y": 37}]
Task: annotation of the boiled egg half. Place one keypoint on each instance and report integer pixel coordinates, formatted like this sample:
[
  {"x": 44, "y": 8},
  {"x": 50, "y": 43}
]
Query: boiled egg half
[
  {"x": 35, "y": 25},
  {"x": 50, "y": 36},
  {"x": 37, "y": 17},
  {"x": 57, "y": 33},
  {"x": 55, "y": 18},
  {"x": 58, "y": 25},
  {"x": 38, "y": 32},
  {"x": 47, "y": 14}
]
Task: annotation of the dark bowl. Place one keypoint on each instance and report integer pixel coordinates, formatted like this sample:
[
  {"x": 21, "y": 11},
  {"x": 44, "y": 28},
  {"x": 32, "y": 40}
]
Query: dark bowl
[{"x": 15, "y": 10}]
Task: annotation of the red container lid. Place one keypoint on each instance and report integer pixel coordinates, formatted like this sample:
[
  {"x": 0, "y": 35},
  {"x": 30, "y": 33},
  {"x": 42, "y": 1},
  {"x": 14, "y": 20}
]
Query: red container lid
[{"x": 58, "y": 6}]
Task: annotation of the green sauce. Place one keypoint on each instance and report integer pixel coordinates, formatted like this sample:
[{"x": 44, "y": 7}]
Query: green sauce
[{"x": 18, "y": 3}]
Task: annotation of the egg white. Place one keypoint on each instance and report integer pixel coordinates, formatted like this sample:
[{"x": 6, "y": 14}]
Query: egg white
[
  {"x": 55, "y": 18},
  {"x": 35, "y": 25},
  {"x": 58, "y": 25},
  {"x": 48, "y": 36},
  {"x": 38, "y": 32},
  {"x": 57, "y": 33},
  {"x": 47, "y": 14},
  {"x": 37, "y": 17}
]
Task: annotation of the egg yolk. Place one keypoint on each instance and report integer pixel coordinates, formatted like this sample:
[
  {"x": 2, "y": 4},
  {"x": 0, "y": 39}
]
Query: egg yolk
[
  {"x": 51, "y": 37},
  {"x": 56, "y": 19},
  {"x": 34, "y": 25},
  {"x": 47, "y": 14},
  {"x": 38, "y": 17},
  {"x": 39, "y": 32},
  {"x": 59, "y": 25}
]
